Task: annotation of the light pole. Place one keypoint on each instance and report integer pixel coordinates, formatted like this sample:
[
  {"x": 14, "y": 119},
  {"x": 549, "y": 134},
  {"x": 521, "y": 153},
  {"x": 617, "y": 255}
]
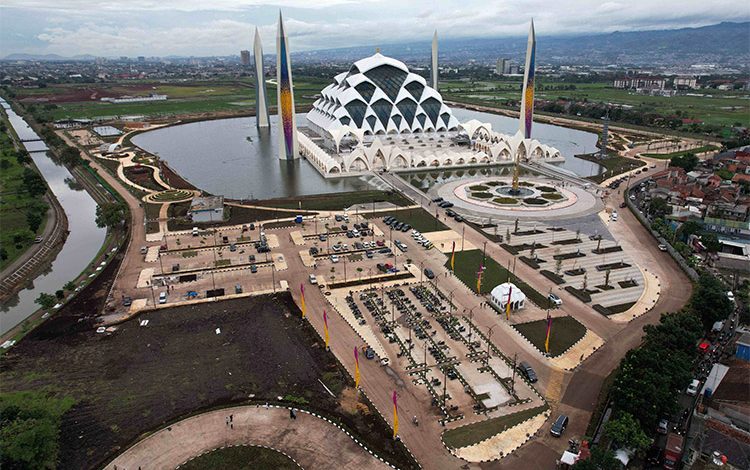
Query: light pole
[
  {"x": 273, "y": 277},
  {"x": 450, "y": 301},
  {"x": 489, "y": 337},
  {"x": 425, "y": 351}
]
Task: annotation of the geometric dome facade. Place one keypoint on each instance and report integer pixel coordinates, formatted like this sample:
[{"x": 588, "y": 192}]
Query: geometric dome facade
[{"x": 378, "y": 95}]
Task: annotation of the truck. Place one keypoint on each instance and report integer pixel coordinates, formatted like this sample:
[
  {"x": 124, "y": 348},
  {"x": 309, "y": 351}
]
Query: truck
[{"x": 673, "y": 451}]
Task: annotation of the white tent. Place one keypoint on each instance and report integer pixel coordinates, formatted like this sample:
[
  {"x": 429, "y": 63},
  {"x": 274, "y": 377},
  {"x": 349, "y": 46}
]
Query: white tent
[{"x": 501, "y": 293}]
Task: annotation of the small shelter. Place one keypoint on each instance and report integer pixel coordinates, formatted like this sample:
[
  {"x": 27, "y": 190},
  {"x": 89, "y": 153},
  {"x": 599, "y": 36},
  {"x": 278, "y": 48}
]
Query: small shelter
[{"x": 503, "y": 293}]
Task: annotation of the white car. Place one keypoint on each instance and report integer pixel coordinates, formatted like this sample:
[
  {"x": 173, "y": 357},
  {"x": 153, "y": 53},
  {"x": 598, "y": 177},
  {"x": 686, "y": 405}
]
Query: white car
[
  {"x": 334, "y": 259},
  {"x": 385, "y": 361},
  {"x": 162, "y": 297},
  {"x": 555, "y": 299},
  {"x": 662, "y": 247},
  {"x": 692, "y": 389},
  {"x": 313, "y": 279},
  {"x": 730, "y": 295}
]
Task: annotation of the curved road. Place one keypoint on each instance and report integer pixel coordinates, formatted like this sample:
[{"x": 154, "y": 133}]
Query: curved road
[{"x": 313, "y": 442}]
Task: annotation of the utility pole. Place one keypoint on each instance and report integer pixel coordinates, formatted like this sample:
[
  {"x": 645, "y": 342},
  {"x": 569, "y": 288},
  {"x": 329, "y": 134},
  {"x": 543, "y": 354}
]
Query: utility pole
[
  {"x": 463, "y": 231},
  {"x": 513, "y": 377},
  {"x": 445, "y": 387}
]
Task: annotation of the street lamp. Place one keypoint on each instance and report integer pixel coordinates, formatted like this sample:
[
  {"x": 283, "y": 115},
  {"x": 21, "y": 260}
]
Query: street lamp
[{"x": 489, "y": 337}]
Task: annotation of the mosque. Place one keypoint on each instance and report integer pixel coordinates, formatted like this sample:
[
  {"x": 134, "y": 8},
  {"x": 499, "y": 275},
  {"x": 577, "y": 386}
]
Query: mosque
[{"x": 380, "y": 116}]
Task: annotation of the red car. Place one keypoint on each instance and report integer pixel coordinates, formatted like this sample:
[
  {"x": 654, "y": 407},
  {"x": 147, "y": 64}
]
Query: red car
[{"x": 380, "y": 243}]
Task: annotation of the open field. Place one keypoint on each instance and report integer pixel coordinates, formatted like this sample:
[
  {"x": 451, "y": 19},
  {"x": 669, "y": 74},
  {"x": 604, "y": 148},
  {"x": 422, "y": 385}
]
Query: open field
[
  {"x": 564, "y": 333},
  {"x": 241, "y": 458},
  {"x": 138, "y": 378},
  {"x": 613, "y": 165},
  {"x": 667, "y": 156},
  {"x": 336, "y": 201},
  {"x": 715, "y": 107},
  {"x": 15, "y": 233},
  {"x": 83, "y": 100}
]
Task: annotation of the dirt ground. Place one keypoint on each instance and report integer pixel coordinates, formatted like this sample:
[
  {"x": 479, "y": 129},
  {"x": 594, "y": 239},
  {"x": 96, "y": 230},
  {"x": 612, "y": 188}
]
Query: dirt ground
[{"x": 140, "y": 378}]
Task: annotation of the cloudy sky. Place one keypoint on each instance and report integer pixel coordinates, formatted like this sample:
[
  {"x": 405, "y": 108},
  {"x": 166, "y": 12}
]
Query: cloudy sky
[{"x": 222, "y": 27}]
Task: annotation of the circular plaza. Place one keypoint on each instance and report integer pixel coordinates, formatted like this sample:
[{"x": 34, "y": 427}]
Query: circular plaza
[{"x": 535, "y": 198}]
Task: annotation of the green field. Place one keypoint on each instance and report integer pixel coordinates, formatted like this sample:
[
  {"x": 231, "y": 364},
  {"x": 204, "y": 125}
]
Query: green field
[
  {"x": 613, "y": 165},
  {"x": 83, "y": 100},
  {"x": 241, "y": 458},
  {"x": 470, "y": 434},
  {"x": 15, "y": 234},
  {"x": 337, "y": 201},
  {"x": 468, "y": 263},
  {"x": 715, "y": 107},
  {"x": 668, "y": 156},
  {"x": 565, "y": 332}
]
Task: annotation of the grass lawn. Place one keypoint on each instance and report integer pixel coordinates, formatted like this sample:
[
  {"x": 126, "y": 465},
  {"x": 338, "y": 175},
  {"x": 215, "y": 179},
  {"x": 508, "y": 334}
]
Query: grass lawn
[
  {"x": 473, "y": 433},
  {"x": 467, "y": 265},
  {"x": 15, "y": 235},
  {"x": 613, "y": 165},
  {"x": 336, "y": 201},
  {"x": 565, "y": 332},
  {"x": 241, "y": 458},
  {"x": 418, "y": 218},
  {"x": 667, "y": 156}
]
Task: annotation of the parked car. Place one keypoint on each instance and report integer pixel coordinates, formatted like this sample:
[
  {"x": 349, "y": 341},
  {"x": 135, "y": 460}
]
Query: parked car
[
  {"x": 663, "y": 427},
  {"x": 237, "y": 289},
  {"x": 662, "y": 247},
  {"x": 334, "y": 259},
  {"x": 558, "y": 427},
  {"x": 428, "y": 272},
  {"x": 313, "y": 279},
  {"x": 438, "y": 199},
  {"x": 127, "y": 301},
  {"x": 693, "y": 387},
  {"x": 458, "y": 218},
  {"x": 527, "y": 371},
  {"x": 162, "y": 297},
  {"x": 253, "y": 268},
  {"x": 557, "y": 301}
]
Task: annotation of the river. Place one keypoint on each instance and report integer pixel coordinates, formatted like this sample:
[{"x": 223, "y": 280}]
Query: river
[
  {"x": 83, "y": 242},
  {"x": 230, "y": 157}
]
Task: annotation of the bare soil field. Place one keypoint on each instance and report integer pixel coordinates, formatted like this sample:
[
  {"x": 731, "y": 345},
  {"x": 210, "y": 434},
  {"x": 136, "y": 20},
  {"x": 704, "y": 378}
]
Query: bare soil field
[{"x": 140, "y": 378}]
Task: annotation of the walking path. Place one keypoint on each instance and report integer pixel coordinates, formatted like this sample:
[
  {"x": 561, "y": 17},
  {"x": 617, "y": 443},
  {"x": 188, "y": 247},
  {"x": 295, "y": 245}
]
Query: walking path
[{"x": 311, "y": 441}]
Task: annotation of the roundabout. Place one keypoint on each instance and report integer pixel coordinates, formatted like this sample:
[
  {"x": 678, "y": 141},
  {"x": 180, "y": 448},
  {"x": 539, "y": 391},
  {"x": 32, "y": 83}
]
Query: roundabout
[{"x": 536, "y": 198}]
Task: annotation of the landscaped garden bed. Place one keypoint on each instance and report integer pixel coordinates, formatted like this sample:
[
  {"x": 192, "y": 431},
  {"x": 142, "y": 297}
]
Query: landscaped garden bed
[
  {"x": 509, "y": 248},
  {"x": 628, "y": 283},
  {"x": 528, "y": 246},
  {"x": 552, "y": 196},
  {"x": 575, "y": 272},
  {"x": 505, "y": 200},
  {"x": 611, "y": 266},
  {"x": 528, "y": 232},
  {"x": 581, "y": 295},
  {"x": 475, "y": 433},
  {"x": 557, "y": 279},
  {"x": 564, "y": 256},
  {"x": 481, "y": 195},
  {"x": 479, "y": 187},
  {"x": 535, "y": 201},
  {"x": 530, "y": 262},
  {"x": 569, "y": 241},
  {"x": 609, "y": 249}
]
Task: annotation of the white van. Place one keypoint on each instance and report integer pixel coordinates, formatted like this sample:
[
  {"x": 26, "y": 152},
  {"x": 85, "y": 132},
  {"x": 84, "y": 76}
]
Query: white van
[
  {"x": 195, "y": 231},
  {"x": 693, "y": 387},
  {"x": 163, "y": 298}
]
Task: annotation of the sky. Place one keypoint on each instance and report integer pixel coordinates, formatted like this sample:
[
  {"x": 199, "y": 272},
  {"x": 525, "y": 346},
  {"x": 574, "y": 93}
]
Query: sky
[{"x": 112, "y": 28}]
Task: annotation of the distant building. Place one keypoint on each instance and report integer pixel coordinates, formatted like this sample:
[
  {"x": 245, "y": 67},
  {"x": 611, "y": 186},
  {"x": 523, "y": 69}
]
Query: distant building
[
  {"x": 640, "y": 83},
  {"x": 207, "y": 209},
  {"x": 245, "y": 58},
  {"x": 500, "y": 66},
  {"x": 686, "y": 82},
  {"x": 141, "y": 58},
  {"x": 135, "y": 99}
]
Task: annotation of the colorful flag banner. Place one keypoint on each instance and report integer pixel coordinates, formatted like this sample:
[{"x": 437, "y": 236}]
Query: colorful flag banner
[
  {"x": 356, "y": 368},
  {"x": 325, "y": 327},
  {"x": 549, "y": 330},
  {"x": 479, "y": 278},
  {"x": 453, "y": 256},
  {"x": 302, "y": 300},
  {"x": 395, "y": 415},
  {"x": 507, "y": 304}
]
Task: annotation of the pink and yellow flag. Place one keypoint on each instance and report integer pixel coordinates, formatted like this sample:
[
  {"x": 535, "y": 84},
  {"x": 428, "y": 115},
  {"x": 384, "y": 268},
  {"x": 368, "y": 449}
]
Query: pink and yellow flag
[
  {"x": 302, "y": 300},
  {"x": 395, "y": 415},
  {"x": 356, "y": 368},
  {"x": 507, "y": 304},
  {"x": 325, "y": 327},
  {"x": 453, "y": 256},
  {"x": 479, "y": 278},
  {"x": 549, "y": 330}
]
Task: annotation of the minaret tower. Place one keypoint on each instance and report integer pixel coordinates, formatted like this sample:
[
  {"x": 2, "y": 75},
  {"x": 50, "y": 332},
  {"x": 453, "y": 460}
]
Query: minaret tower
[
  {"x": 261, "y": 100},
  {"x": 434, "y": 69},
  {"x": 526, "y": 117},
  {"x": 288, "y": 145}
]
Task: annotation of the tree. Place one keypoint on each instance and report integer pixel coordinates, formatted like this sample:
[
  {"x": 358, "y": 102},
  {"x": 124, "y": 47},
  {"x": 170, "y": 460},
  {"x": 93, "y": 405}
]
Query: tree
[
  {"x": 60, "y": 294},
  {"x": 69, "y": 286},
  {"x": 3, "y": 253},
  {"x": 4, "y": 164},
  {"x": 601, "y": 459},
  {"x": 110, "y": 214},
  {"x": 710, "y": 300},
  {"x": 33, "y": 182},
  {"x": 70, "y": 156},
  {"x": 659, "y": 207},
  {"x": 46, "y": 301},
  {"x": 30, "y": 429},
  {"x": 627, "y": 432},
  {"x": 34, "y": 220},
  {"x": 711, "y": 242},
  {"x": 688, "y": 162}
]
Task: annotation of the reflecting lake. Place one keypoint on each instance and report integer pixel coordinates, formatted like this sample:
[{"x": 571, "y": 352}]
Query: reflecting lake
[{"x": 232, "y": 158}]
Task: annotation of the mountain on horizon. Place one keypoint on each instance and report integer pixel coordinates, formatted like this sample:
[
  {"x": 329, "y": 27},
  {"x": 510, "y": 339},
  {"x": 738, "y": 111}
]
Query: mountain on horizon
[{"x": 723, "y": 43}]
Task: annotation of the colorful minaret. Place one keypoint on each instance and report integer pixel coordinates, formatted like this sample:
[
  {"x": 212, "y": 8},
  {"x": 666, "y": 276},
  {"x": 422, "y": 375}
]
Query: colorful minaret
[
  {"x": 261, "y": 100},
  {"x": 288, "y": 146},
  {"x": 527, "y": 97},
  {"x": 434, "y": 75}
]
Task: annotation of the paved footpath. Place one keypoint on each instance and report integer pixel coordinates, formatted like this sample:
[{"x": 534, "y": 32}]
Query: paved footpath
[{"x": 312, "y": 442}]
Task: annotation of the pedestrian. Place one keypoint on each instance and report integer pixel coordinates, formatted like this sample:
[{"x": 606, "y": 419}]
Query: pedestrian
[
  {"x": 231, "y": 418},
  {"x": 231, "y": 425}
]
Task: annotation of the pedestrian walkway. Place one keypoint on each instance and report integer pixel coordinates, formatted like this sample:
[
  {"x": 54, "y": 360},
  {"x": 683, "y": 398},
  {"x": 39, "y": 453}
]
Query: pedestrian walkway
[{"x": 311, "y": 441}]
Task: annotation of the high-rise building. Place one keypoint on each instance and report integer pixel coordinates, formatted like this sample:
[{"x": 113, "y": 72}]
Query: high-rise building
[
  {"x": 527, "y": 97},
  {"x": 245, "y": 58},
  {"x": 261, "y": 100},
  {"x": 500, "y": 67},
  {"x": 141, "y": 58},
  {"x": 288, "y": 145}
]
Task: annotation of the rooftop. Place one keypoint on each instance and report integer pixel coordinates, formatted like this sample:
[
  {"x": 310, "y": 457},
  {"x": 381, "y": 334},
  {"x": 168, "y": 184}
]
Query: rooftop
[{"x": 206, "y": 203}]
